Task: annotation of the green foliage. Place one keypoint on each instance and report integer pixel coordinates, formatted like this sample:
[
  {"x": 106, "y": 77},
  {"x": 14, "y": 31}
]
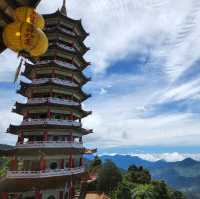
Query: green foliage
[
  {"x": 109, "y": 177},
  {"x": 144, "y": 191},
  {"x": 122, "y": 192},
  {"x": 138, "y": 175},
  {"x": 4, "y": 163},
  {"x": 135, "y": 183}
]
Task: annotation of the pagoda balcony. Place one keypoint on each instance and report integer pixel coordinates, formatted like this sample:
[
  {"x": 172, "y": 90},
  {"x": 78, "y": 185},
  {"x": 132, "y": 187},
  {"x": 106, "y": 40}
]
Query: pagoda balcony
[
  {"x": 45, "y": 173},
  {"x": 50, "y": 144},
  {"x": 50, "y": 29},
  {"x": 55, "y": 80},
  {"x": 53, "y": 101},
  {"x": 61, "y": 63},
  {"x": 65, "y": 47},
  {"x": 30, "y": 122}
]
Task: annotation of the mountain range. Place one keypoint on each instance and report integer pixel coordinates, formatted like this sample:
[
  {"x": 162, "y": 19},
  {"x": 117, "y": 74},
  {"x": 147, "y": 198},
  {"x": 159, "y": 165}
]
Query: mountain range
[{"x": 182, "y": 175}]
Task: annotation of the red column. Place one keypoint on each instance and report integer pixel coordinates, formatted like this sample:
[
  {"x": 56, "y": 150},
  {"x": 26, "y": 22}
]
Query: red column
[
  {"x": 73, "y": 163},
  {"x": 4, "y": 195},
  {"x": 30, "y": 94},
  {"x": 45, "y": 136},
  {"x": 70, "y": 161},
  {"x": 14, "y": 164},
  {"x": 61, "y": 195},
  {"x": 42, "y": 164},
  {"x": 49, "y": 114},
  {"x": 71, "y": 191},
  {"x": 62, "y": 164},
  {"x": 38, "y": 195},
  {"x": 21, "y": 137}
]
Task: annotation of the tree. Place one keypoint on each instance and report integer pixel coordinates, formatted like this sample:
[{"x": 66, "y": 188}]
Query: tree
[
  {"x": 161, "y": 190},
  {"x": 178, "y": 195},
  {"x": 145, "y": 191},
  {"x": 122, "y": 192},
  {"x": 138, "y": 175},
  {"x": 109, "y": 177}
]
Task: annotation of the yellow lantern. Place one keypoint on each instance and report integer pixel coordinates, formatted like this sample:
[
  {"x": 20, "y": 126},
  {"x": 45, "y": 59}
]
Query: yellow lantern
[
  {"x": 42, "y": 45},
  {"x": 29, "y": 15},
  {"x": 12, "y": 36},
  {"x": 25, "y": 37}
]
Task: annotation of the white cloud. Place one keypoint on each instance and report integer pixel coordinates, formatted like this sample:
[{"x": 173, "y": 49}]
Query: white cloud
[{"x": 123, "y": 27}]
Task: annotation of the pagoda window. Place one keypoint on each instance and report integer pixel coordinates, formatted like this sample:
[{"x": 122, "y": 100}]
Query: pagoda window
[
  {"x": 43, "y": 116},
  {"x": 53, "y": 165},
  {"x": 55, "y": 138},
  {"x": 57, "y": 117}
]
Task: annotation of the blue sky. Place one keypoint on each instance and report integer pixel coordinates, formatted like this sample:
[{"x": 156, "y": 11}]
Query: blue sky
[{"x": 145, "y": 73}]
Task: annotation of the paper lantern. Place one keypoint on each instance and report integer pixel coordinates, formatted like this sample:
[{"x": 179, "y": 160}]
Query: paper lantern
[
  {"x": 25, "y": 37},
  {"x": 29, "y": 15},
  {"x": 42, "y": 45}
]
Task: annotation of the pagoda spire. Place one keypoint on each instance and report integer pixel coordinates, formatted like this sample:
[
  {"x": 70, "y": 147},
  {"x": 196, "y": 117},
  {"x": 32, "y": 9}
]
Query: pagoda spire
[{"x": 63, "y": 9}]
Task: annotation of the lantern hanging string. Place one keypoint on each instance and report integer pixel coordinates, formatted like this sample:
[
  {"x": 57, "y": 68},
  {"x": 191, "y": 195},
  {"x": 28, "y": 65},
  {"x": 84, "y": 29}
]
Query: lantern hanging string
[{"x": 18, "y": 71}]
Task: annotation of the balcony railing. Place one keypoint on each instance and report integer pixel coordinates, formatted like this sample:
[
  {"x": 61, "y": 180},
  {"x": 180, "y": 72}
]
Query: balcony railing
[
  {"x": 30, "y": 122},
  {"x": 62, "y": 29},
  {"x": 45, "y": 174},
  {"x": 49, "y": 144},
  {"x": 55, "y": 80},
  {"x": 53, "y": 101},
  {"x": 65, "y": 47},
  {"x": 61, "y": 63}
]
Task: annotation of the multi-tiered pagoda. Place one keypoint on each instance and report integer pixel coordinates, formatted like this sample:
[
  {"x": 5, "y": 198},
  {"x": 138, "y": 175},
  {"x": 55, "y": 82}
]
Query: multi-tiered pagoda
[{"x": 47, "y": 162}]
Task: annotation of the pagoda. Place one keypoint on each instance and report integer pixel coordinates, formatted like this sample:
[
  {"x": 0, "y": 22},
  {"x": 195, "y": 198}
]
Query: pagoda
[{"x": 47, "y": 162}]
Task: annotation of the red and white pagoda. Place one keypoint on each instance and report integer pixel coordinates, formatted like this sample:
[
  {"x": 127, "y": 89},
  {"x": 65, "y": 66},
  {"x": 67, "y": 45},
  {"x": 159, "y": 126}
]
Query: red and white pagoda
[{"x": 47, "y": 162}]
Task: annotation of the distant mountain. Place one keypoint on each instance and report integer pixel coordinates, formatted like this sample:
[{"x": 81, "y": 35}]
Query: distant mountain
[
  {"x": 183, "y": 175},
  {"x": 5, "y": 147}
]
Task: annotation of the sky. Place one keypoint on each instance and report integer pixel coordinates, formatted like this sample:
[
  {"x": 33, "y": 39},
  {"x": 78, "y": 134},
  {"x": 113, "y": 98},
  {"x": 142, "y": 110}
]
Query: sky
[{"x": 145, "y": 57}]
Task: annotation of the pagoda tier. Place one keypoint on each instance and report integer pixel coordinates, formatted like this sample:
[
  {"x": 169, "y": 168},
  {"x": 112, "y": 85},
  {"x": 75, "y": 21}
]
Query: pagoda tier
[
  {"x": 55, "y": 69},
  {"x": 52, "y": 89},
  {"x": 74, "y": 27},
  {"x": 50, "y": 110},
  {"x": 61, "y": 53},
  {"x": 25, "y": 185},
  {"x": 68, "y": 43}
]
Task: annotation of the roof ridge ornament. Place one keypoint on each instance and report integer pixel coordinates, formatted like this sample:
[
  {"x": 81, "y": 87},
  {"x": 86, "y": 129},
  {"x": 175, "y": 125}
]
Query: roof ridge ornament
[{"x": 63, "y": 9}]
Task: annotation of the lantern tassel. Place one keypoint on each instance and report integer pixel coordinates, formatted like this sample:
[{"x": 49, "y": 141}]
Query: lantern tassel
[{"x": 18, "y": 70}]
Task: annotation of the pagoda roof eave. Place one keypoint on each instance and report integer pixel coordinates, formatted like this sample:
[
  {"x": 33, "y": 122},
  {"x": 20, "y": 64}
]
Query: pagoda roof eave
[
  {"x": 74, "y": 56},
  {"x": 27, "y": 184},
  {"x": 20, "y": 106},
  {"x": 14, "y": 129},
  {"x": 74, "y": 21},
  {"x": 25, "y": 85},
  {"x": 60, "y": 34},
  {"x": 29, "y": 67}
]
